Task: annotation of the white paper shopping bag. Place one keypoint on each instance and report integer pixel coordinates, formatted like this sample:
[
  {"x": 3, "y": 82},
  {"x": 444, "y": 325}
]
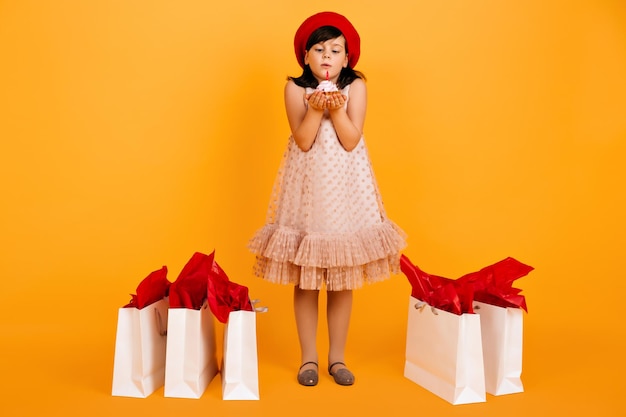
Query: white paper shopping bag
[
  {"x": 444, "y": 353},
  {"x": 191, "y": 360},
  {"x": 502, "y": 332},
  {"x": 240, "y": 371},
  {"x": 140, "y": 343}
]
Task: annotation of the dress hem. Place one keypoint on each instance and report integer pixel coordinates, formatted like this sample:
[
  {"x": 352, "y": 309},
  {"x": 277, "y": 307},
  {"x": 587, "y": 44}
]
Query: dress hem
[{"x": 338, "y": 262}]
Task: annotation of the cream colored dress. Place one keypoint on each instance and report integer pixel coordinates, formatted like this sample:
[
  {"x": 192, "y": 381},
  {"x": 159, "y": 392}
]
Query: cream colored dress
[{"x": 326, "y": 224}]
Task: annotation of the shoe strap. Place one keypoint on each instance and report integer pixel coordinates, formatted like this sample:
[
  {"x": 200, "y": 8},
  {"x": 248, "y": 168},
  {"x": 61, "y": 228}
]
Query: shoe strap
[
  {"x": 308, "y": 363},
  {"x": 330, "y": 367}
]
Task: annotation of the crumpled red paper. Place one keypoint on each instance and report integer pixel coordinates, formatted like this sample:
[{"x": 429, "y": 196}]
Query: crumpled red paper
[
  {"x": 434, "y": 290},
  {"x": 151, "y": 289},
  {"x": 190, "y": 288},
  {"x": 224, "y": 295},
  {"x": 492, "y": 285}
]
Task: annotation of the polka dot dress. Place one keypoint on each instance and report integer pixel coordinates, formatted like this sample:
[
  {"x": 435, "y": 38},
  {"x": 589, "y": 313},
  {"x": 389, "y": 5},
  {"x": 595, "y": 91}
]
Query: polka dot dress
[{"x": 326, "y": 225}]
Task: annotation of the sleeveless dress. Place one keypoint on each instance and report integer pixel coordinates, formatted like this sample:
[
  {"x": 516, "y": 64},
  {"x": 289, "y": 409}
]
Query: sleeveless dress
[{"x": 326, "y": 224}]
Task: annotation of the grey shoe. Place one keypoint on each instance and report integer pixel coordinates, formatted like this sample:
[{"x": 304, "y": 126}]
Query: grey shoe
[
  {"x": 342, "y": 376},
  {"x": 309, "y": 377}
]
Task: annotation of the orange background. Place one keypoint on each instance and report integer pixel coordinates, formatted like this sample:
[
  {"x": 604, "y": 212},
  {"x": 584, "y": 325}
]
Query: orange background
[{"x": 134, "y": 133}]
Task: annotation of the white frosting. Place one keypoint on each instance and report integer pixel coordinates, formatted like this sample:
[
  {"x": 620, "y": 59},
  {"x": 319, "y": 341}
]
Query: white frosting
[{"x": 327, "y": 86}]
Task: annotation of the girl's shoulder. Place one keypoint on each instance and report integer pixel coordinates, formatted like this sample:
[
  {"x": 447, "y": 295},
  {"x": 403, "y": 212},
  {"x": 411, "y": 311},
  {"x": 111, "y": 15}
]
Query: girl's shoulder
[
  {"x": 357, "y": 84},
  {"x": 290, "y": 83},
  {"x": 291, "y": 87},
  {"x": 356, "y": 89},
  {"x": 294, "y": 94}
]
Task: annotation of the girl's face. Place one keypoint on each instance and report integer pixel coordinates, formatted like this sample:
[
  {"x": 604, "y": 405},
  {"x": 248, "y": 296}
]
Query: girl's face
[{"x": 329, "y": 56}]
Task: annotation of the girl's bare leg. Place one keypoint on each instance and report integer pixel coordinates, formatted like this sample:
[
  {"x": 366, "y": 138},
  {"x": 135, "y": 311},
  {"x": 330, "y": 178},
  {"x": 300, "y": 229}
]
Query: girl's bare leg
[
  {"x": 306, "y": 309},
  {"x": 339, "y": 308}
]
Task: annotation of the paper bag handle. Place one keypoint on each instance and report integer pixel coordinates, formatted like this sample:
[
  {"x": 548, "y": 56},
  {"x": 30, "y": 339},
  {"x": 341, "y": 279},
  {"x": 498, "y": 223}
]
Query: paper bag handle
[
  {"x": 258, "y": 309},
  {"x": 421, "y": 304}
]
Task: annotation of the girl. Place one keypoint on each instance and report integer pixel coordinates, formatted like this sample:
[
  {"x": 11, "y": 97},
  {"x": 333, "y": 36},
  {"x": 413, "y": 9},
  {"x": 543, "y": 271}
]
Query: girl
[{"x": 326, "y": 225}]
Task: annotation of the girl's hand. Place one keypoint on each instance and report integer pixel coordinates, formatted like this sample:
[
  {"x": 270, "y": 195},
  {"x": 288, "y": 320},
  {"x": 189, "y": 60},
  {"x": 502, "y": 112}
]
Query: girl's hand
[
  {"x": 335, "y": 100},
  {"x": 319, "y": 100},
  {"x": 316, "y": 100}
]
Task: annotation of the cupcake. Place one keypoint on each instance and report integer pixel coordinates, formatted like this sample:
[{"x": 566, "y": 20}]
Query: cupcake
[{"x": 327, "y": 86}]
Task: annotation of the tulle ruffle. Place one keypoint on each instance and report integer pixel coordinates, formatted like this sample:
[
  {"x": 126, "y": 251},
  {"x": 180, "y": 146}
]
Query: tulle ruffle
[{"x": 338, "y": 261}]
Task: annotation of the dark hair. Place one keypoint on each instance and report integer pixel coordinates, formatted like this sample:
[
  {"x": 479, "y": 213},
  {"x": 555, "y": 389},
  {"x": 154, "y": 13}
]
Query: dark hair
[{"x": 347, "y": 74}]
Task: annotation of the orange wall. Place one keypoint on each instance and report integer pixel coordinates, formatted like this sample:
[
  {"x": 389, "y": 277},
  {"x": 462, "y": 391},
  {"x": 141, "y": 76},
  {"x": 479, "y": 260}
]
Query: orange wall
[{"x": 135, "y": 133}]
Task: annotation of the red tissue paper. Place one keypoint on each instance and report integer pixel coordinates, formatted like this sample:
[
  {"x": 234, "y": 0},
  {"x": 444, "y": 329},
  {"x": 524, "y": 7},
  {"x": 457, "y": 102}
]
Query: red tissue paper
[
  {"x": 190, "y": 288},
  {"x": 224, "y": 295},
  {"x": 151, "y": 289},
  {"x": 434, "y": 290},
  {"x": 492, "y": 284}
]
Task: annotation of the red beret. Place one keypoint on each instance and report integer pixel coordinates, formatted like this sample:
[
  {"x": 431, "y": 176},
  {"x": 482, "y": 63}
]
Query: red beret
[{"x": 311, "y": 24}]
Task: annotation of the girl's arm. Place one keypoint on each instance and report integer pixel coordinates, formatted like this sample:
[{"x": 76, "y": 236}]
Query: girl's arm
[
  {"x": 349, "y": 122},
  {"x": 304, "y": 120}
]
